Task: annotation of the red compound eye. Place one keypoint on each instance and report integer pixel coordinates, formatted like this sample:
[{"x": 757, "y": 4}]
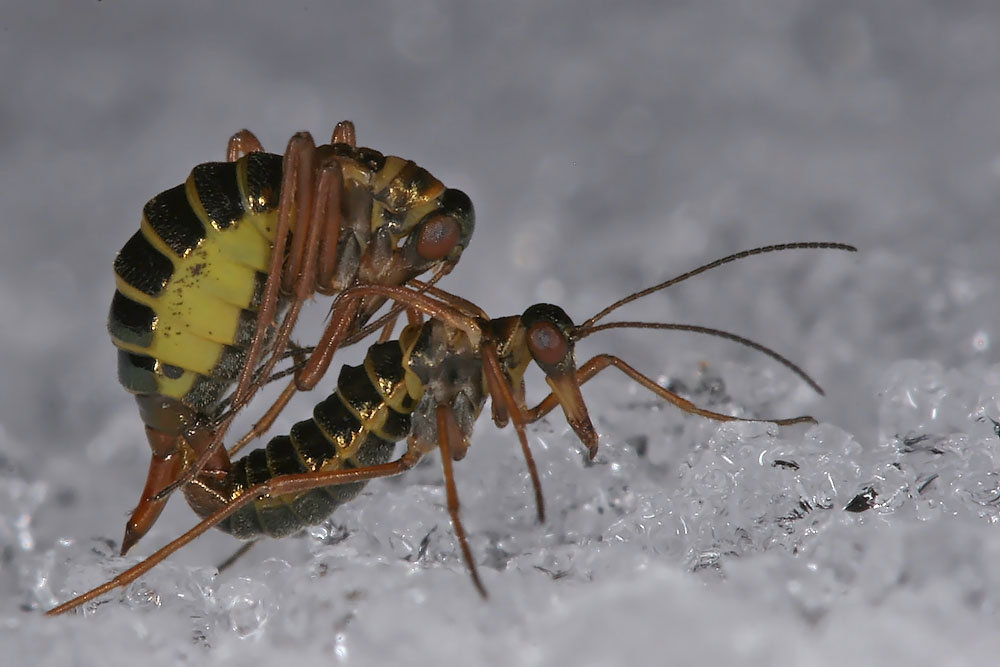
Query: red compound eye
[
  {"x": 438, "y": 236},
  {"x": 547, "y": 343}
]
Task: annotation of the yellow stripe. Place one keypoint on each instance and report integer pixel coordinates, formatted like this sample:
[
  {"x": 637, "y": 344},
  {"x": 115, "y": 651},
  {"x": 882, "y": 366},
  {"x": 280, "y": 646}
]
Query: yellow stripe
[{"x": 241, "y": 243}]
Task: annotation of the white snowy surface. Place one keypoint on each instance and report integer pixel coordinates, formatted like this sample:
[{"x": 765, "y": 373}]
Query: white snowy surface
[{"x": 607, "y": 146}]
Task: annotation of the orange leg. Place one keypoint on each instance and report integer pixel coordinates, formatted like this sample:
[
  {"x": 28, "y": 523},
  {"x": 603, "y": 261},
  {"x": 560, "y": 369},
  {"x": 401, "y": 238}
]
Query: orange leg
[
  {"x": 318, "y": 225},
  {"x": 602, "y": 361},
  {"x": 262, "y": 425},
  {"x": 308, "y": 208},
  {"x": 314, "y": 367},
  {"x": 287, "y": 484},
  {"x": 344, "y": 309},
  {"x": 505, "y": 405},
  {"x": 455, "y": 301},
  {"x": 296, "y": 185},
  {"x": 450, "y": 435},
  {"x": 346, "y": 306},
  {"x": 413, "y": 315},
  {"x": 317, "y": 201},
  {"x": 319, "y": 246},
  {"x": 460, "y": 314},
  {"x": 415, "y": 301}
]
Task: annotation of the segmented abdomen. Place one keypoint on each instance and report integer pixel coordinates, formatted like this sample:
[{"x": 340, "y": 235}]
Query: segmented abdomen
[
  {"x": 357, "y": 426},
  {"x": 190, "y": 280},
  {"x": 392, "y": 395}
]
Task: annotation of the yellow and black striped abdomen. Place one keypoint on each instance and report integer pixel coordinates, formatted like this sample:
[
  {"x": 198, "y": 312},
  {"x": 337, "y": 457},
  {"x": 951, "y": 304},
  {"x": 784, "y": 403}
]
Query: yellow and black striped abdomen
[
  {"x": 357, "y": 426},
  {"x": 189, "y": 280}
]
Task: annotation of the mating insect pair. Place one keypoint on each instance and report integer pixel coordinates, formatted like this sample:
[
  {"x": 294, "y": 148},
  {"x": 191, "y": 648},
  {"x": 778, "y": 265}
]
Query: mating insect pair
[{"x": 428, "y": 386}]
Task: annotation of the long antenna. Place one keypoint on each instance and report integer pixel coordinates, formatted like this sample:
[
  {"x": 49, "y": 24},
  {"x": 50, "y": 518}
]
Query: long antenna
[
  {"x": 583, "y": 333},
  {"x": 711, "y": 265}
]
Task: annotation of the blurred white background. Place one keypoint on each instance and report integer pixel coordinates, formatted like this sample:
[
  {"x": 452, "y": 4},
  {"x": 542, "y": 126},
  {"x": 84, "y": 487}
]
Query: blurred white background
[{"x": 607, "y": 146}]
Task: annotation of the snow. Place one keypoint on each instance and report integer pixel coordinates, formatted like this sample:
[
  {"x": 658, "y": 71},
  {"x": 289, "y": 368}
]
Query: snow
[{"x": 606, "y": 149}]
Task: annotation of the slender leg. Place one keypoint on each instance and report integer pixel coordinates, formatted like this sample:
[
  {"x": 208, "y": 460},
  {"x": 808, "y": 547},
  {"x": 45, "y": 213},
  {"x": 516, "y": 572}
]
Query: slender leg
[
  {"x": 296, "y": 186},
  {"x": 304, "y": 380},
  {"x": 302, "y": 263},
  {"x": 343, "y": 308},
  {"x": 286, "y": 484},
  {"x": 330, "y": 235},
  {"x": 165, "y": 464},
  {"x": 387, "y": 330},
  {"x": 505, "y": 404},
  {"x": 318, "y": 214},
  {"x": 449, "y": 433},
  {"x": 319, "y": 236},
  {"x": 453, "y": 300},
  {"x": 240, "y": 144},
  {"x": 299, "y": 277},
  {"x": 336, "y": 331},
  {"x": 267, "y": 420},
  {"x": 431, "y": 303},
  {"x": 413, "y": 316},
  {"x": 335, "y": 336},
  {"x": 602, "y": 361},
  {"x": 346, "y": 307}
]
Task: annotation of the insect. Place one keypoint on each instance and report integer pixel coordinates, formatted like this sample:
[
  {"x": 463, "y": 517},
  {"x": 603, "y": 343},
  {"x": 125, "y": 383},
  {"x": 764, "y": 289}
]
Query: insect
[
  {"x": 428, "y": 387},
  {"x": 219, "y": 259}
]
